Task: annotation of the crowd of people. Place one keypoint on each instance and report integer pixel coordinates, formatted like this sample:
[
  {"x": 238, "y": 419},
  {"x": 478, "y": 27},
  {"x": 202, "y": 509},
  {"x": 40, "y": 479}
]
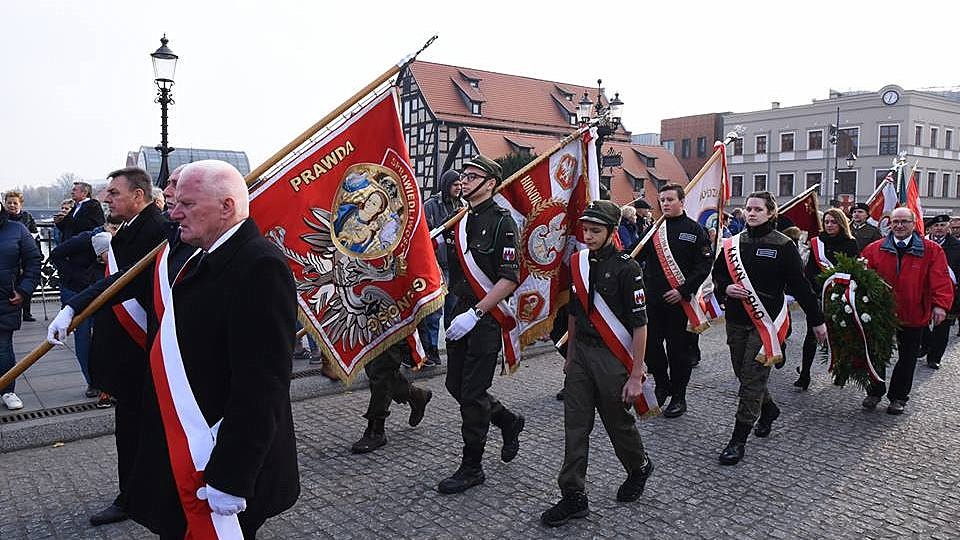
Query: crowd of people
[{"x": 195, "y": 452}]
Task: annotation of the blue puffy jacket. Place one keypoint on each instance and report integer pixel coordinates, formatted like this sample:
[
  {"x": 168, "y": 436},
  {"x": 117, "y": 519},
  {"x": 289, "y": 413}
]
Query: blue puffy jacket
[{"x": 19, "y": 268}]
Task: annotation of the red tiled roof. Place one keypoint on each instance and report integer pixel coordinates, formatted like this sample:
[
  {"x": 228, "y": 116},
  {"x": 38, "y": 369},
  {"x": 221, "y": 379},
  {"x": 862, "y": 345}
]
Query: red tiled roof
[
  {"x": 508, "y": 100},
  {"x": 495, "y": 144},
  {"x": 667, "y": 168}
]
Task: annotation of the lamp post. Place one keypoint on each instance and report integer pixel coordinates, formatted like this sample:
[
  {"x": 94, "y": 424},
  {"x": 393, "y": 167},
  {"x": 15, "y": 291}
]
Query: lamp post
[
  {"x": 607, "y": 120},
  {"x": 164, "y": 66}
]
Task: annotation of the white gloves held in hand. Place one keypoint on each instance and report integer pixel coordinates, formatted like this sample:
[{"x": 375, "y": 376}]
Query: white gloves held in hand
[
  {"x": 57, "y": 331},
  {"x": 221, "y": 503},
  {"x": 461, "y": 324}
]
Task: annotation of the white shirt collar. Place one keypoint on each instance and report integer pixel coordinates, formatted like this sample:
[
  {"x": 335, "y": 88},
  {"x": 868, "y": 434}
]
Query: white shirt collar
[
  {"x": 76, "y": 207},
  {"x": 225, "y": 236}
]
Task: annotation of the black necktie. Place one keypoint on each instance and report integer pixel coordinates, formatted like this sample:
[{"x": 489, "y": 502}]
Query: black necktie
[
  {"x": 192, "y": 264},
  {"x": 592, "y": 281}
]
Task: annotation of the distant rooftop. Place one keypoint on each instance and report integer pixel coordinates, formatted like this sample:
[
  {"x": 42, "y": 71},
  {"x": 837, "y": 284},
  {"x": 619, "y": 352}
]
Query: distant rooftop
[{"x": 149, "y": 158}]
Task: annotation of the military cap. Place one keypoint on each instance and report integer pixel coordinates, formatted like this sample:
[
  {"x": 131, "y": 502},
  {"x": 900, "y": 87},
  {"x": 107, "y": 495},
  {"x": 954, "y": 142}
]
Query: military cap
[
  {"x": 641, "y": 204},
  {"x": 942, "y": 218},
  {"x": 602, "y": 212},
  {"x": 862, "y": 206},
  {"x": 486, "y": 165}
]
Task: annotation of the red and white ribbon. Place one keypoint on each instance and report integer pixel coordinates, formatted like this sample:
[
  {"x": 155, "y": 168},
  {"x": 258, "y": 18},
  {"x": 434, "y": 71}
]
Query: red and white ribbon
[
  {"x": 773, "y": 331},
  {"x": 130, "y": 314},
  {"x": 841, "y": 279},
  {"x": 481, "y": 286},
  {"x": 615, "y": 335},
  {"x": 697, "y": 320},
  {"x": 818, "y": 251},
  {"x": 190, "y": 439}
]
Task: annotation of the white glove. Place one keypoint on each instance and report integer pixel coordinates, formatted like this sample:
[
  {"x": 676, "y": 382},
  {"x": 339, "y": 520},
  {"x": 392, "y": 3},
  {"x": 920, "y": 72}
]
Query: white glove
[
  {"x": 221, "y": 503},
  {"x": 461, "y": 324},
  {"x": 58, "y": 328}
]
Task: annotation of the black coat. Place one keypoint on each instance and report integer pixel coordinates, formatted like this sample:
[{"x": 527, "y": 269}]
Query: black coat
[
  {"x": 690, "y": 245},
  {"x": 77, "y": 263},
  {"x": 236, "y": 322},
  {"x": 117, "y": 363},
  {"x": 89, "y": 217}
]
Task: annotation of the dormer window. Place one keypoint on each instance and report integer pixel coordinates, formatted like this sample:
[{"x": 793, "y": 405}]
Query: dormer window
[
  {"x": 474, "y": 83},
  {"x": 573, "y": 119},
  {"x": 475, "y": 108},
  {"x": 651, "y": 162}
]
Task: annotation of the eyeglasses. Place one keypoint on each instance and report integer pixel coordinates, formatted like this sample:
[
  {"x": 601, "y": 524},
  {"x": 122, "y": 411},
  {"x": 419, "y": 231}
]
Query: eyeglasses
[
  {"x": 470, "y": 177},
  {"x": 900, "y": 221}
]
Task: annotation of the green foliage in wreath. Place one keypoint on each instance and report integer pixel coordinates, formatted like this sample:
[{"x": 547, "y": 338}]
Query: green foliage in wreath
[{"x": 877, "y": 311}]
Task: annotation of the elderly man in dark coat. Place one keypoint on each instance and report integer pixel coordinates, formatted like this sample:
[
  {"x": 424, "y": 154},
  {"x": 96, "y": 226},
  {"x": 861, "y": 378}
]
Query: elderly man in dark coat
[{"x": 217, "y": 444}]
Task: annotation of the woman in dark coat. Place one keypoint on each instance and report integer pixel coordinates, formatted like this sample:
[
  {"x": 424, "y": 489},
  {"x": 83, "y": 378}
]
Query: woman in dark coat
[{"x": 19, "y": 275}]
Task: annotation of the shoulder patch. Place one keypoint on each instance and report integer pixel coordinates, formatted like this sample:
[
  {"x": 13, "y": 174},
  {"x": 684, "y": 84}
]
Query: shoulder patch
[
  {"x": 687, "y": 237},
  {"x": 767, "y": 252}
]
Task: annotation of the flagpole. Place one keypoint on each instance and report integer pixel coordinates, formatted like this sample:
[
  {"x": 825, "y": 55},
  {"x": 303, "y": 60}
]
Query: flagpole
[
  {"x": 519, "y": 174},
  {"x": 320, "y": 124},
  {"x": 97, "y": 303}
]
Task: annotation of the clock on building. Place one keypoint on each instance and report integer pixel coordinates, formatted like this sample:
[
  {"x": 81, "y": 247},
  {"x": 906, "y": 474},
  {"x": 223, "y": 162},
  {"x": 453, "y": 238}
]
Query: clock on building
[{"x": 890, "y": 97}]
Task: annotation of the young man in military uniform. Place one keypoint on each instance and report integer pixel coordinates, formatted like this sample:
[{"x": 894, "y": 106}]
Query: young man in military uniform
[
  {"x": 863, "y": 232},
  {"x": 676, "y": 261},
  {"x": 935, "y": 340},
  {"x": 489, "y": 255},
  {"x": 387, "y": 383},
  {"x": 596, "y": 375}
]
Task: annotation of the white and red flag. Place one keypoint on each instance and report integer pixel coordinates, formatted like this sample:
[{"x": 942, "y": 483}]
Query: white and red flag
[
  {"x": 546, "y": 203},
  {"x": 883, "y": 200},
  {"x": 910, "y": 198},
  {"x": 346, "y": 212}
]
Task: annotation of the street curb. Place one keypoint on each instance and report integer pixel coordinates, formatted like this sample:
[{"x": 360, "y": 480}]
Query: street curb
[{"x": 306, "y": 384}]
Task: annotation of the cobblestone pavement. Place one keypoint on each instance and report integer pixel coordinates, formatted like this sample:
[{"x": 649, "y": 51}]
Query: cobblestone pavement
[{"x": 829, "y": 470}]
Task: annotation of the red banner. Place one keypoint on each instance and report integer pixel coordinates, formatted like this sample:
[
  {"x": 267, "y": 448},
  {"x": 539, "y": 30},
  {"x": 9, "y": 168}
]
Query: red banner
[{"x": 346, "y": 212}]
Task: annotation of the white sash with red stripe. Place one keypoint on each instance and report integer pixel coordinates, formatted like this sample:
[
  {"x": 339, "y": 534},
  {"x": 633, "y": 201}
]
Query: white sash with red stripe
[
  {"x": 818, "y": 251},
  {"x": 615, "y": 335},
  {"x": 773, "y": 332},
  {"x": 697, "y": 320},
  {"x": 190, "y": 440},
  {"x": 481, "y": 285},
  {"x": 130, "y": 314}
]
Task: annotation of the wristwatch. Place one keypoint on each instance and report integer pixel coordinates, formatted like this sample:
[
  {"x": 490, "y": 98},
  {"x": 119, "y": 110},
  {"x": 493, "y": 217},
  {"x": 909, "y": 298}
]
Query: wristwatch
[{"x": 478, "y": 312}]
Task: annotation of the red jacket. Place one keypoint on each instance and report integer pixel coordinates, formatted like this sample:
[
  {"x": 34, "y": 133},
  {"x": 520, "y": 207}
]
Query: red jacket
[{"x": 920, "y": 281}]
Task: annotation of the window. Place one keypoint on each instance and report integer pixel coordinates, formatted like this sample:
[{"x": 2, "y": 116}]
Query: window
[
  {"x": 948, "y": 139},
  {"x": 933, "y": 137},
  {"x": 879, "y": 176},
  {"x": 945, "y": 192},
  {"x": 847, "y": 184},
  {"x": 650, "y": 162},
  {"x": 815, "y": 140},
  {"x": 670, "y": 146},
  {"x": 786, "y": 142},
  {"x": 848, "y": 142},
  {"x": 759, "y": 182},
  {"x": 738, "y": 148},
  {"x": 761, "y": 145},
  {"x": 786, "y": 184},
  {"x": 736, "y": 185},
  {"x": 701, "y": 146},
  {"x": 889, "y": 140},
  {"x": 573, "y": 119},
  {"x": 931, "y": 182},
  {"x": 685, "y": 149},
  {"x": 475, "y": 107},
  {"x": 814, "y": 178},
  {"x": 918, "y": 135}
]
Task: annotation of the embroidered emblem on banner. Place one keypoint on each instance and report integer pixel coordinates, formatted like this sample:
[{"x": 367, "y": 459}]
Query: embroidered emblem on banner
[
  {"x": 529, "y": 306},
  {"x": 369, "y": 214},
  {"x": 566, "y": 171},
  {"x": 545, "y": 237}
]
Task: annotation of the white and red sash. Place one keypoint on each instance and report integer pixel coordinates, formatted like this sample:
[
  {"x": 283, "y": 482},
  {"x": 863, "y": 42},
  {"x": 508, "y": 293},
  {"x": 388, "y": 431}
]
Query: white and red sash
[
  {"x": 697, "y": 320},
  {"x": 190, "y": 440},
  {"x": 130, "y": 314},
  {"x": 773, "y": 332},
  {"x": 615, "y": 335},
  {"x": 818, "y": 251},
  {"x": 481, "y": 286}
]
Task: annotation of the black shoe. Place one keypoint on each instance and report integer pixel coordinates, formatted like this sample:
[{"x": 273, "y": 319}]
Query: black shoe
[
  {"x": 870, "y": 402},
  {"x": 896, "y": 406},
  {"x": 933, "y": 365},
  {"x": 572, "y": 506},
  {"x": 29, "y": 318},
  {"x": 418, "y": 404},
  {"x": 560, "y": 395},
  {"x": 511, "y": 439},
  {"x": 465, "y": 478},
  {"x": 735, "y": 449},
  {"x": 110, "y": 514},
  {"x": 373, "y": 438},
  {"x": 922, "y": 352},
  {"x": 632, "y": 488},
  {"x": 803, "y": 382},
  {"x": 768, "y": 413},
  {"x": 678, "y": 406}
]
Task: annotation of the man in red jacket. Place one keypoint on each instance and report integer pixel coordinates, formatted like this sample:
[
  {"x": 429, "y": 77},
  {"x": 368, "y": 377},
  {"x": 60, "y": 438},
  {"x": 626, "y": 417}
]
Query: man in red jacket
[{"x": 916, "y": 268}]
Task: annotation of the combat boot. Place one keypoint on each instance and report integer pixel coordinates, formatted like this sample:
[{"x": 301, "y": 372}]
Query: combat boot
[
  {"x": 632, "y": 487},
  {"x": 468, "y": 475},
  {"x": 678, "y": 405},
  {"x": 768, "y": 413},
  {"x": 418, "y": 404},
  {"x": 511, "y": 439},
  {"x": 734, "y": 451},
  {"x": 373, "y": 438},
  {"x": 571, "y": 506}
]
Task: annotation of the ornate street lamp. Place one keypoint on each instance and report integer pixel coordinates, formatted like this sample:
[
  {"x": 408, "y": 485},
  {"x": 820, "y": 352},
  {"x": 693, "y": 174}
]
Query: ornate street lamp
[
  {"x": 164, "y": 67},
  {"x": 851, "y": 160},
  {"x": 607, "y": 120}
]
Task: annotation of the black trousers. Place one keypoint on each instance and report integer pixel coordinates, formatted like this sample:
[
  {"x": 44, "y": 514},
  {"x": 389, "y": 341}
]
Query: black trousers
[
  {"x": 901, "y": 381},
  {"x": 809, "y": 351},
  {"x": 472, "y": 361},
  {"x": 127, "y": 435},
  {"x": 671, "y": 368},
  {"x": 937, "y": 341},
  {"x": 386, "y": 381}
]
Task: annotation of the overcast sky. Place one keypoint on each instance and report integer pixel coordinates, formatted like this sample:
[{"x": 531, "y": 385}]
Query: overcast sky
[{"x": 78, "y": 90}]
